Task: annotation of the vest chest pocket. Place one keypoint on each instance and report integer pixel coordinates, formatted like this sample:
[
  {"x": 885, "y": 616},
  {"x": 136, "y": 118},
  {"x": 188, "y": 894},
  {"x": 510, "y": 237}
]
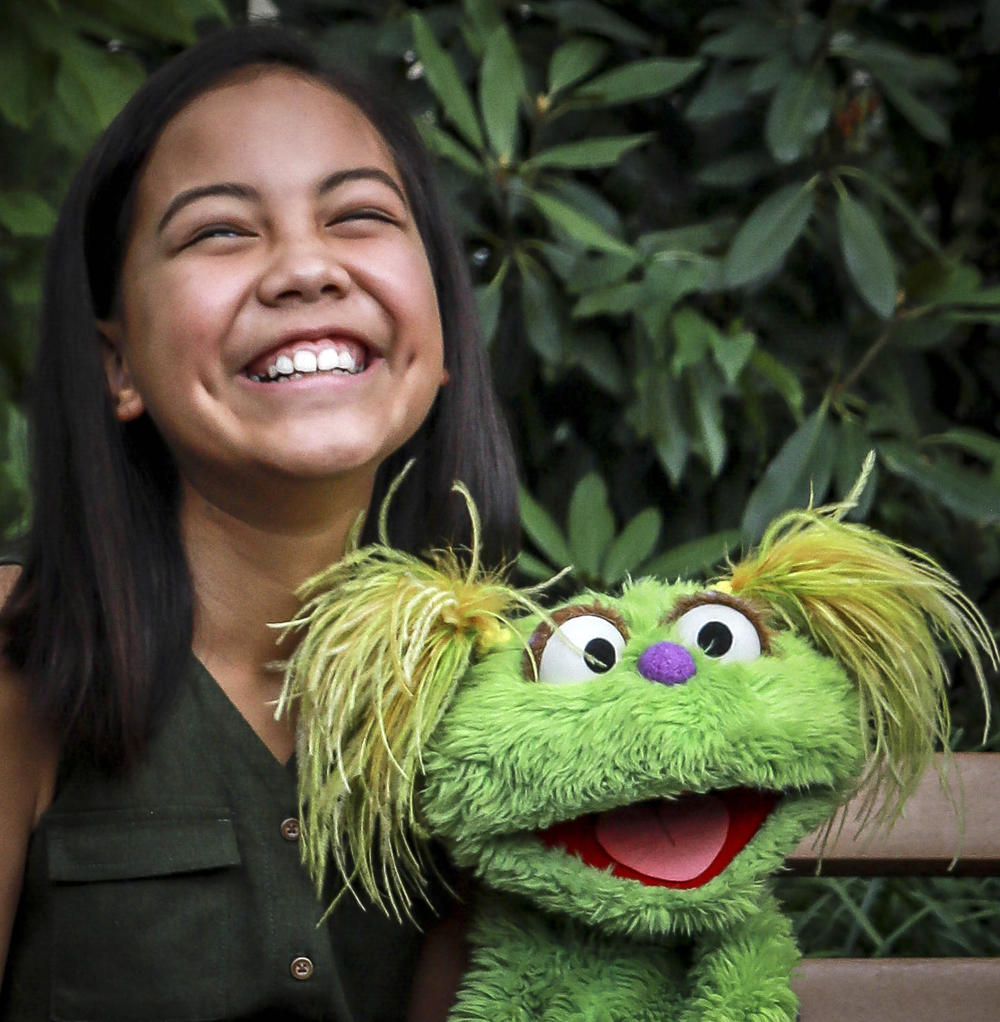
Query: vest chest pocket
[{"x": 143, "y": 914}]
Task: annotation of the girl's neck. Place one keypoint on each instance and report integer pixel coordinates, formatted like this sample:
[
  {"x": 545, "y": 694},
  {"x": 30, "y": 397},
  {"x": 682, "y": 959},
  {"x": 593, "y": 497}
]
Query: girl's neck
[{"x": 245, "y": 570}]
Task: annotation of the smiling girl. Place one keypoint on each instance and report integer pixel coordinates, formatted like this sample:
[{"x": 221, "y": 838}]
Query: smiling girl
[{"x": 255, "y": 313}]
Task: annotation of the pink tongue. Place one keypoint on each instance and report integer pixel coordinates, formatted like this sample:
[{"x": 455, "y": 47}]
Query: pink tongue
[{"x": 675, "y": 840}]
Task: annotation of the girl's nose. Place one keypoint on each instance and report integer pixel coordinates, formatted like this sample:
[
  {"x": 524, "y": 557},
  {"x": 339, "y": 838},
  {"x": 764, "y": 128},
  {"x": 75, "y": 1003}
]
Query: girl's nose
[
  {"x": 303, "y": 269},
  {"x": 667, "y": 663}
]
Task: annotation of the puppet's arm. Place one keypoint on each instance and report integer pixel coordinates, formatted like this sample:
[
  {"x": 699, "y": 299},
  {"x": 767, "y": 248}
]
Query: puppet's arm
[
  {"x": 529, "y": 965},
  {"x": 743, "y": 976}
]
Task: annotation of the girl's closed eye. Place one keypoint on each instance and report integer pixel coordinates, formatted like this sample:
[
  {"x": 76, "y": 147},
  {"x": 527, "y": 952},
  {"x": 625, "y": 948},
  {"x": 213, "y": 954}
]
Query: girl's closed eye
[
  {"x": 364, "y": 214},
  {"x": 217, "y": 231}
]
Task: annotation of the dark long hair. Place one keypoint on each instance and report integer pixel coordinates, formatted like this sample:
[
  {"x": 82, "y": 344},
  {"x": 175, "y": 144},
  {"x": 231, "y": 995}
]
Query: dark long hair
[{"x": 100, "y": 619}]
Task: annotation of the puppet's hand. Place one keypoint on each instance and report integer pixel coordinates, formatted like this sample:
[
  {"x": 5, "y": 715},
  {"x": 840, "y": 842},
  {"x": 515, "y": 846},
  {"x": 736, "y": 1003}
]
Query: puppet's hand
[{"x": 745, "y": 976}]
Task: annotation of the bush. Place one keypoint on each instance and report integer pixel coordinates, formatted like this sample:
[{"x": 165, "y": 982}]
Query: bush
[{"x": 719, "y": 257}]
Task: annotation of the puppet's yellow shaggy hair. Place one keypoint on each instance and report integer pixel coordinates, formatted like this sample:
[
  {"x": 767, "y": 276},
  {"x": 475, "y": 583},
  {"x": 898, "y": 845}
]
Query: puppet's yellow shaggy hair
[
  {"x": 882, "y": 609},
  {"x": 386, "y": 637}
]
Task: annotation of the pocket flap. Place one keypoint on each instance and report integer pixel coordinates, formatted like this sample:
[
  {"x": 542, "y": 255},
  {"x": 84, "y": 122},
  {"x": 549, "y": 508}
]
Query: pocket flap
[{"x": 129, "y": 844}]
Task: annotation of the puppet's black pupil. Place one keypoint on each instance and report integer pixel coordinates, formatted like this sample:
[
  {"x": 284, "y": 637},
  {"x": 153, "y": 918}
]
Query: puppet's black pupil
[
  {"x": 600, "y": 655},
  {"x": 715, "y": 638}
]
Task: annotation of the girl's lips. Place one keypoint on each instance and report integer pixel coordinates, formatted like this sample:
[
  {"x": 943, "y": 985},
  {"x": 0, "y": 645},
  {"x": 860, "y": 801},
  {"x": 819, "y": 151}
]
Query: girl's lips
[{"x": 324, "y": 354}]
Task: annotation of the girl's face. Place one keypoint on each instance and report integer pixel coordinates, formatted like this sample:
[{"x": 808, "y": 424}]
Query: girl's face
[{"x": 277, "y": 315}]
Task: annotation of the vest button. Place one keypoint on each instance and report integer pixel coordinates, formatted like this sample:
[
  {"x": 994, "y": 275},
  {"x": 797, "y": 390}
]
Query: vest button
[
  {"x": 301, "y": 967},
  {"x": 290, "y": 829}
]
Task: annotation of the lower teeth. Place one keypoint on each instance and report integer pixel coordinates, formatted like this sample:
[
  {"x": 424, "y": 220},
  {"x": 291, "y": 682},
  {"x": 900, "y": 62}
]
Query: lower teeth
[{"x": 298, "y": 376}]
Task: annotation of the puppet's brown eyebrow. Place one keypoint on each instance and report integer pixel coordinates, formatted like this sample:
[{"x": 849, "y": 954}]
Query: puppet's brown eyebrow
[
  {"x": 336, "y": 179},
  {"x": 189, "y": 195}
]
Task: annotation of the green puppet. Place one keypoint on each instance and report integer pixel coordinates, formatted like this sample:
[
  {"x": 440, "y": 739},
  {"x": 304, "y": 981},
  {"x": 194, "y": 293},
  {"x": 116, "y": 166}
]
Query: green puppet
[{"x": 621, "y": 774}]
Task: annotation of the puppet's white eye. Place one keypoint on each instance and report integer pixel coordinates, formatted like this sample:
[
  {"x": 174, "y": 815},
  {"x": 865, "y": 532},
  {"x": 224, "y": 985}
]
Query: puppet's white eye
[
  {"x": 580, "y": 649},
  {"x": 721, "y": 632}
]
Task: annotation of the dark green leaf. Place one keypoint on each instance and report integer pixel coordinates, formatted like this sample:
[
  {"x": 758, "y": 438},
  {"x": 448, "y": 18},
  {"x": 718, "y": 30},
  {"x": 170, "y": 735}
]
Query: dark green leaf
[
  {"x": 734, "y": 171},
  {"x": 927, "y": 121},
  {"x": 171, "y": 22},
  {"x": 93, "y": 84},
  {"x": 633, "y": 545},
  {"x": 852, "y": 447},
  {"x": 693, "y": 336},
  {"x": 533, "y": 567},
  {"x": 653, "y": 414},
  {"x": 725, "y": 92},
  {"x": 501, "y": 88},
  {"x": 748, "y": 37},
  {"x": 692, "y": 238},
  {"x": 574, "y": 60},
  {"x": 769, "y": 74},
  {"x": 589, "y": 16},
  {"x": 483, "y": 17},
  {"x": 689, "y": 272},
  {"x": 26, "y": 214},
  {"x": 540, "y": 307},
  {"x": 441, "y": 143},
  {"x": 799, "y": 111},
  {"x": 668, "y": 280},
  {"x": 970, "y": 494},
  {"x": 590, "y": 201},
  {"x": 641, "y": 79},
  {"x": 971, "y": 441},
  {"x": 768, "y": 233},
  {"x": 444, "y": 80},
  {"x": 882, "y": 58},
  {"x": 732, "y": 351},
  {"x": 800, "y": 471},
  {"x": 601, "y": 361},
  {"x": 943, "y": 283},
  {"x": 591, "y": 525},
  {"x": 868, "y": 259},
  {"x": 488, "y": 302},
  {"x": 541, "y": 529},
  {"x": 922, "y": 333},
  {"x": 576, "y": 224},
  {"x": 706, "y": 401},
  {"x": 891, "y": 197},
  {"x": 591, "y": 153},
  {"x": 27, "y": 76},
  {"x": 616, "y": 300},
  {"x": 695, "y": 558},
  {"x": 808, "y": 33},
  {"x": 991, "y": 26},
  {"x": 595, "y": 270}
]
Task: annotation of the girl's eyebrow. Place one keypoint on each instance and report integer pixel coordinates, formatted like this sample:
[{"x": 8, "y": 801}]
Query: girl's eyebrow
[
  {"x": 238, "y": 191},
  {"x": 360, "y": 173},
  {"x": 185, "y": 198}
]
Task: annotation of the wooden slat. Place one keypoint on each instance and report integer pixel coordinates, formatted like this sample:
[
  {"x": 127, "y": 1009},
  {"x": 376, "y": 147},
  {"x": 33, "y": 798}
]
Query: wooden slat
[
  {"x": 927, "y": 838},
  {"x": 899, "y": 990}
]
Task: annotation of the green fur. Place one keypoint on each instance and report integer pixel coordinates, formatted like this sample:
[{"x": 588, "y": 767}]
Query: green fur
[{"x": 849, "y": 685}]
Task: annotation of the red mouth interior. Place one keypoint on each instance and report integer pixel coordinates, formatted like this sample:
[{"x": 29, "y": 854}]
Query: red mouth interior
[{"x": 679, "y": 843}]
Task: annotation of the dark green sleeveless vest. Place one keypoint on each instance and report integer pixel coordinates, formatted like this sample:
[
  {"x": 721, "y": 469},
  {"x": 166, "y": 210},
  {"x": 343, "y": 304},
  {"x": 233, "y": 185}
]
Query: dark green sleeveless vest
[{"x": 176, "y": 893}]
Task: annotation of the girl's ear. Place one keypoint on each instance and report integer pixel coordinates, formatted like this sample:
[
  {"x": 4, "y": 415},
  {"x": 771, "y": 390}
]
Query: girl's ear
[{"x": 127, "y": 399}]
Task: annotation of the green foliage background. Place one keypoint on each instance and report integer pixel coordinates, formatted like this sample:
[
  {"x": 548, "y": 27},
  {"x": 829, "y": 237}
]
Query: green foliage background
[{"x": 721, "y": 251}]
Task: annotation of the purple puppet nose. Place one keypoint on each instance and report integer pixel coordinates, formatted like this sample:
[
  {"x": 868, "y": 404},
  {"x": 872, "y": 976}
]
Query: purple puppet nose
[{"x": 667, "y": 663}]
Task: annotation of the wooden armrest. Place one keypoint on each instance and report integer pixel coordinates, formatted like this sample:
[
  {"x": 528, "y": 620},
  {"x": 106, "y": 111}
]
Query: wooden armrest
[
  {"x": 898, "y": 989},
  {"x": 928, "y": 837}
]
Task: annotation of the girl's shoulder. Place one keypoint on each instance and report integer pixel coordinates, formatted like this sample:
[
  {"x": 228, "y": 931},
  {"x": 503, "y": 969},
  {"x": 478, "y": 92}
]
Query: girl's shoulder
[{"x": 29, "y": 750}]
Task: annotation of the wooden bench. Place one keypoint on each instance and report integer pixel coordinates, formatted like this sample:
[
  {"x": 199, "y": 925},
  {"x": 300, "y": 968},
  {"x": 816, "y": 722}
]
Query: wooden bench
[{"x": 924, "y": 842}]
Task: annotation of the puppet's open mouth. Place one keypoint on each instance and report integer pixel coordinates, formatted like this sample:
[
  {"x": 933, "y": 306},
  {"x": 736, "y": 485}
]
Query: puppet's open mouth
[{"x": 681, "y": 842}]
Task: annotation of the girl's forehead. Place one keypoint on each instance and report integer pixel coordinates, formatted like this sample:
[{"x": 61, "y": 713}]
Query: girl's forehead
[{"x": 276, "y": 126}]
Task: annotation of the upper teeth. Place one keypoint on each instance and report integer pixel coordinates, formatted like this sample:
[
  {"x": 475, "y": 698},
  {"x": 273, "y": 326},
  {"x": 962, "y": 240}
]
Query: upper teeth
[{"x": 307, "y": 361}]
